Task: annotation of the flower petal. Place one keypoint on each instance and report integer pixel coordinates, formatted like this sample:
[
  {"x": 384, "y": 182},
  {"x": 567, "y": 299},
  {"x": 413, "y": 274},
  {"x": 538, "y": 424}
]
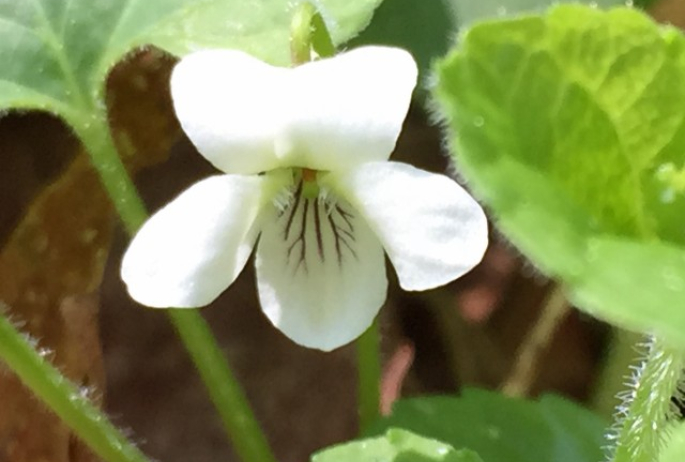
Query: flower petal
[
  {"x": 347, "y": 109},
  {"x": 229, "y": 105},
  {"x": 431, "y": 228},
  {"x": 320, "y": 273},
  {"x": 190, "y": 251}
]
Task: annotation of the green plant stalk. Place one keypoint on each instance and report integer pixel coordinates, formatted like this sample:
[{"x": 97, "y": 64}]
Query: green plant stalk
[
  {"x": 248, "y": 440},
  {"x": 64, "y": 398},
  {"x": 610, "y": 382},
  {"x": 641, "y": 433},
  {"x": 369, "y": 370},
  {"x": 247, "y": 437},
  {"x": 97, "y": 139},
  {"x": 308, "y": 31}
]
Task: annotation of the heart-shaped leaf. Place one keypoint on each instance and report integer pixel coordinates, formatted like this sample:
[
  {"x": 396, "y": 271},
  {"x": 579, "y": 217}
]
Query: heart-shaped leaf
[
  {"x": 571, "y": 127},
  {"x": 56, "y": 54}
]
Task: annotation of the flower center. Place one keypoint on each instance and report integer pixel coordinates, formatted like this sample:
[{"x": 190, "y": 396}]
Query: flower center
[
  {"x": 310, "y": 188},
  {"x": 316, "y": 227}
]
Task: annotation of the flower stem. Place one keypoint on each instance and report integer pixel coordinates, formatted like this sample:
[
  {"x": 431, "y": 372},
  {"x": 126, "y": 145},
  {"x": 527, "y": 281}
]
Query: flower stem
[
  {"x": 63, "y": 397},
  {"x": 308, "y": 31},
  {"x": 369, "y": 370},
  {"x": 248, "y": 440},
  {"x": 643, "y": 417}
]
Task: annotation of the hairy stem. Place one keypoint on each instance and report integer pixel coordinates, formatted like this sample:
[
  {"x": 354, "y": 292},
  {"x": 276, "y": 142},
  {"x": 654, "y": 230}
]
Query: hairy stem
[
  {"x": 644, "y": 416},
  {"x": 225, "y": 391},
  {"x": 64, "y": 398},
  {"x": 611, "y": 380}
]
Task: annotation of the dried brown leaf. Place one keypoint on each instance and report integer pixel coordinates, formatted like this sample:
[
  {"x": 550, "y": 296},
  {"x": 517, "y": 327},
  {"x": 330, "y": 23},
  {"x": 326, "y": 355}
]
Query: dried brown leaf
[{"x": 55, "y": 257}]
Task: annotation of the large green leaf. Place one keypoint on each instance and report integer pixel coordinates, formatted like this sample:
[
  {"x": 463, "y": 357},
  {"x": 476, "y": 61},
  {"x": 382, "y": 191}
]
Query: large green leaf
[
  {"x": 257, "y": 27},
  {"x": 571, "y": 127},
  {"x": 395, "y": 446},
  {"x": 55, "y": 54},
  {"x": 471, "y": 11},
  {"x": 504, "y": 429},
  {"x": 426, "y": 28}
]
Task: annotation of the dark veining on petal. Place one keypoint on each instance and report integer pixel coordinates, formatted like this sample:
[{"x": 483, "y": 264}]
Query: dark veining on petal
[
  {"x": 301, "y": 259},
  {"x": 341, "y": 235},
  {"x": 303, "y": 234},
  {"x": 296, "y": 204},
  {"x": 337, "y": 238},
  {"x": 317, "y": 225},
  {"x": 346, "y": 216},
  {"x": 335, "y": 215}
]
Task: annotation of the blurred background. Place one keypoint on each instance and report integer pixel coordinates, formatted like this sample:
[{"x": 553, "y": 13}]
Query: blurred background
[{"x": 61, "y": 247}]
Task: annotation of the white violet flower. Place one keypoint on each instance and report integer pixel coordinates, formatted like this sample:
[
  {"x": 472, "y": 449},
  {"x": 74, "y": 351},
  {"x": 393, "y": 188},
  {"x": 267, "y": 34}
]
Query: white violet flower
[{"x": 305, "y": 151}]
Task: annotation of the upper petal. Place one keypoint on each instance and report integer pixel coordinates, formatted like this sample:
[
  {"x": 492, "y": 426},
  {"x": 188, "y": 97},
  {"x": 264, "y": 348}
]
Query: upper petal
[
  {"x": 431, "y": 228},
  {"x": 229, "y": 104},
  {"x": 320, "y": 273},
  {"x": 347, "y": 109},
  {"x": 191, "y": 250}
]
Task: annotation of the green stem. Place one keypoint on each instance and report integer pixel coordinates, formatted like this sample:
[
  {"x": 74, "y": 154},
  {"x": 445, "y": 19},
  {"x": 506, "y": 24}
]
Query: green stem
[
  {"x": 369, "y": 370},
  {"x": 64, "y": 398},
  {"x": 225, "y": 391},
  {"x": 308, "y": 31},
  {"x": 641, "y": 431},
  {"x": 248, "y": 440},
  {"x": 97, "y": 139},
  {"x": 610, "y": 382}
]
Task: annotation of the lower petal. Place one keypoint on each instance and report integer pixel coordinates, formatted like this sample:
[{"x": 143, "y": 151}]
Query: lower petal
[
  {"x": 320, "y": 273},
  {"x": 190, "y": 251},
  {"x": 431, "y": 228}
]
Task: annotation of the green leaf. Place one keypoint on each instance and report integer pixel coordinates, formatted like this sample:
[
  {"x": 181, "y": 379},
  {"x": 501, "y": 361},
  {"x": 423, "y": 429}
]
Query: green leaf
[
  {"x": 571, "y": 127},
  {"x": 56, "y": 54},
  {"x": 500, "y": 429},
  {"x": 260, "y": 28},
  {"x": 395, "y": 446},
  {"x": 471, "y": 11},
  {"x": 427, "y": 28}
]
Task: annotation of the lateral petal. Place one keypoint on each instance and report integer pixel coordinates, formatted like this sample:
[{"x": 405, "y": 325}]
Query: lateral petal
[
  {"x": 191, "y": 250},
  {"x": 432, "y": 230}
]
